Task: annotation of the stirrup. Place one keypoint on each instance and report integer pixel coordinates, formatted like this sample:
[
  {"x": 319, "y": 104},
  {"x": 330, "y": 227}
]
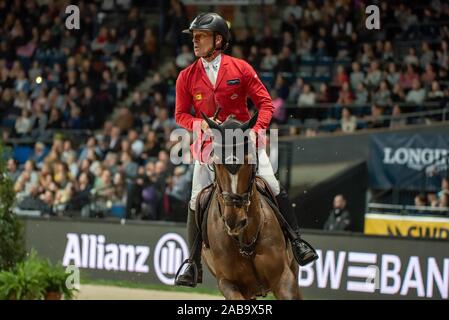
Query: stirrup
[
  {"x": 312, "y": 255},
  {"x": 183, "y": 282}
]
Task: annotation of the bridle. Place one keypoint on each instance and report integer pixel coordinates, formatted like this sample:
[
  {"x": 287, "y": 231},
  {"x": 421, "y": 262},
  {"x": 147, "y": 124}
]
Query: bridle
[
  {"x": 235, "y": 200},
  {"x": 231, "y": 199}
]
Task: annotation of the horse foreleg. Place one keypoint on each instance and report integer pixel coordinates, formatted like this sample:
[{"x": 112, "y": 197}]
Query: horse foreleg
[
  {"x": 229, "y": 290},
  {"x": 287, "y": 287}
]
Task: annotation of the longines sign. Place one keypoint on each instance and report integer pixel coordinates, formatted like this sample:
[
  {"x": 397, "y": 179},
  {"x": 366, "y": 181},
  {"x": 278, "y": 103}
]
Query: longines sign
[
  {"x": 350, "y": 266},
  {"x": 406, "y": 161}
]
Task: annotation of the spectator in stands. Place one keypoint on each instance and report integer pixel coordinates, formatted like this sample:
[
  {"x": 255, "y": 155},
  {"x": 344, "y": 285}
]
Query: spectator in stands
[
  {"x": 361, "y": 94},
  {"x": 397, "y": 95},
  {"x": 114, "y": 140},
  {"x": 443, "y": 55},
  {"x": 307, "y": 99},
  {"x": 411, "y": 57},
  {"x": 444, "y": 188},
  {"x": 382, "y": 96},
  {"x": 323, "y": 95},
  {"x": 39, "y": 154},
  {"x": 304, "y": 44},
  {"x": 339, "y": 217},
  {"x": 435, "y": 94},
  {"x": 12, "y": 169},
  {"x": 428, "y": 76},
  {"x": 292, "y": 9},
  {"x": 152, "y": 145},
  {"x": 24, "y": 124},
  {"x": 311, "y": 15},
  {"x": 407, "y": 77},
  {"x": 388, "y": 53},
  {"x": 432, "y": 200},
  {"x": 397, "y": 121},
  {"x": 340, "y": 77},
  {"x": 285, "y": 63},
  {"x": 128, "y": 167},
  {"x": 345, "y": 95},
  {"x": 367, "y": 55},
  {"x": 421, "y": 200},
  {"x": 427, "y": 55},
  {"x": 356, "y": 76},
  {"x": 55, "y": 120},
  {"x": 119, "y": 196},
  {"x": 392, "y": 75},
  {"x": 376, "y": 119},
  {"x": 348, "y": 122},
  {"x": 163, "y": 121},
  {"x": 185, "y": 58},
  {"x": 444, "y": 201},
  {"x": 295, "y": 90},
  {"x": 136, "y": 145},
  {"x": 254, "y": 57},
  {"x": 269, "y": 60},
  {"x": 39, "y": 119},
  {"x": 417, "y": 95},
  {"x": 374, "y": 76}
]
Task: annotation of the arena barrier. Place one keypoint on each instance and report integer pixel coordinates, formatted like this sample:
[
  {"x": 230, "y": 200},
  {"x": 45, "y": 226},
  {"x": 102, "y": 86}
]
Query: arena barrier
[{"x": 351, "y": 266}]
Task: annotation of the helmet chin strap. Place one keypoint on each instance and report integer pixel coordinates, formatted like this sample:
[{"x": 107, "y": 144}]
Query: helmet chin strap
[{"x": 211, "y": 51}]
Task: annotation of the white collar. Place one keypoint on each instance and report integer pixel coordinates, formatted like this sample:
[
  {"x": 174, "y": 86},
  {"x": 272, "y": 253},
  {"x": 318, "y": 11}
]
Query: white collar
[{"x": 214, "y": 63}]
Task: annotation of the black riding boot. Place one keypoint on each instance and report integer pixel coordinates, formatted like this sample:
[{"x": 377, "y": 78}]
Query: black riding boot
[
  {"x": 193, "y": 272},
  {"x": 303, "y": 251}
]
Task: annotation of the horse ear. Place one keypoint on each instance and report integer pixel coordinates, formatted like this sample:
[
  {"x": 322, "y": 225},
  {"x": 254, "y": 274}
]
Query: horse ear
[
  {"x": 210, "y": 123},
  {"x": 250, "y": 123}
]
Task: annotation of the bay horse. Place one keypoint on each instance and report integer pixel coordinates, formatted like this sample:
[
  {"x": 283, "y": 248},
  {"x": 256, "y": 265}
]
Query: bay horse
[{"x": 247, "y": 252}]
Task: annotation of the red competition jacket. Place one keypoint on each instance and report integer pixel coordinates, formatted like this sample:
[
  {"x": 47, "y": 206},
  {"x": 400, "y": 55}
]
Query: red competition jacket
[{"x": 236, "y": 80}]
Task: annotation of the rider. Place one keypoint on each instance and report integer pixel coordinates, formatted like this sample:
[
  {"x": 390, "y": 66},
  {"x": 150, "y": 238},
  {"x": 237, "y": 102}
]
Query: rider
[{"x": 213, "y": 80}]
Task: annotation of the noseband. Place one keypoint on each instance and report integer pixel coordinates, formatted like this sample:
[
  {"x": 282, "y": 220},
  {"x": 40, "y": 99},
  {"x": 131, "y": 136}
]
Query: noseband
[
  {"x": 235, "y": 200},
  {"x": 231, "y": 199}
]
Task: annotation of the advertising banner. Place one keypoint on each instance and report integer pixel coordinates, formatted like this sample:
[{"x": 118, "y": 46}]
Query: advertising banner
[
  {"x": 408, "y": 161},
  {"x": 351, "y": 266},
  {"x": 407, "y": 226}
]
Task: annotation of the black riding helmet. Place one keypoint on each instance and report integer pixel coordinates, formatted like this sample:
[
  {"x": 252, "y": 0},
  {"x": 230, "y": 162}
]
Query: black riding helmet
[{"x": 211, "y": 21}]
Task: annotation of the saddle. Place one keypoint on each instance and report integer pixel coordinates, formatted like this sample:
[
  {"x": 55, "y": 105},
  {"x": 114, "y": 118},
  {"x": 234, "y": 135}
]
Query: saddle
[{"x": 203, "y": 203}]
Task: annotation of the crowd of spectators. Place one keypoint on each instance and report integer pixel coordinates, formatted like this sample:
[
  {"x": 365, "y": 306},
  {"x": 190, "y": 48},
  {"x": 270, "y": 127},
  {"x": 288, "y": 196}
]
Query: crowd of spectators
[
  {"x": 53, "y": 79},
  {"x": 323, "y": 54},
  {"x": 435, "y": 200},
  {"x": 58, "y": 85},
  {"x": 125, "y": 175},
  {"x": 56, "y": 78}
]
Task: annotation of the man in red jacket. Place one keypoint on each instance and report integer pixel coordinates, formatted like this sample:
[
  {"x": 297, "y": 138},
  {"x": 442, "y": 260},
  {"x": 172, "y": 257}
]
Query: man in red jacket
[{"x": 218, "y": 80}]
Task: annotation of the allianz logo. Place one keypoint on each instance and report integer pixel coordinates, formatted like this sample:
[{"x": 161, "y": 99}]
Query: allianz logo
[
  {"x": 415, "y": 158},
  {"x": 93, "y": 252}
]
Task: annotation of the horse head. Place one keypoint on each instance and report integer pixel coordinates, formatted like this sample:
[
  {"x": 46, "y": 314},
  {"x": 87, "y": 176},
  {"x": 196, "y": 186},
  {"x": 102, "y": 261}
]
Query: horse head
[{"x": 235, "y": 166}]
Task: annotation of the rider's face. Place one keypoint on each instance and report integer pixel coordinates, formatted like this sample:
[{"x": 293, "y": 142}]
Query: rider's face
[{"x": 202, "y": 42}]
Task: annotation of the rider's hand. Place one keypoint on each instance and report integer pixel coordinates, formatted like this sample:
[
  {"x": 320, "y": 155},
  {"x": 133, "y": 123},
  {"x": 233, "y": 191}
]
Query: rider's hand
[{"x": 205, "y": 126}]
